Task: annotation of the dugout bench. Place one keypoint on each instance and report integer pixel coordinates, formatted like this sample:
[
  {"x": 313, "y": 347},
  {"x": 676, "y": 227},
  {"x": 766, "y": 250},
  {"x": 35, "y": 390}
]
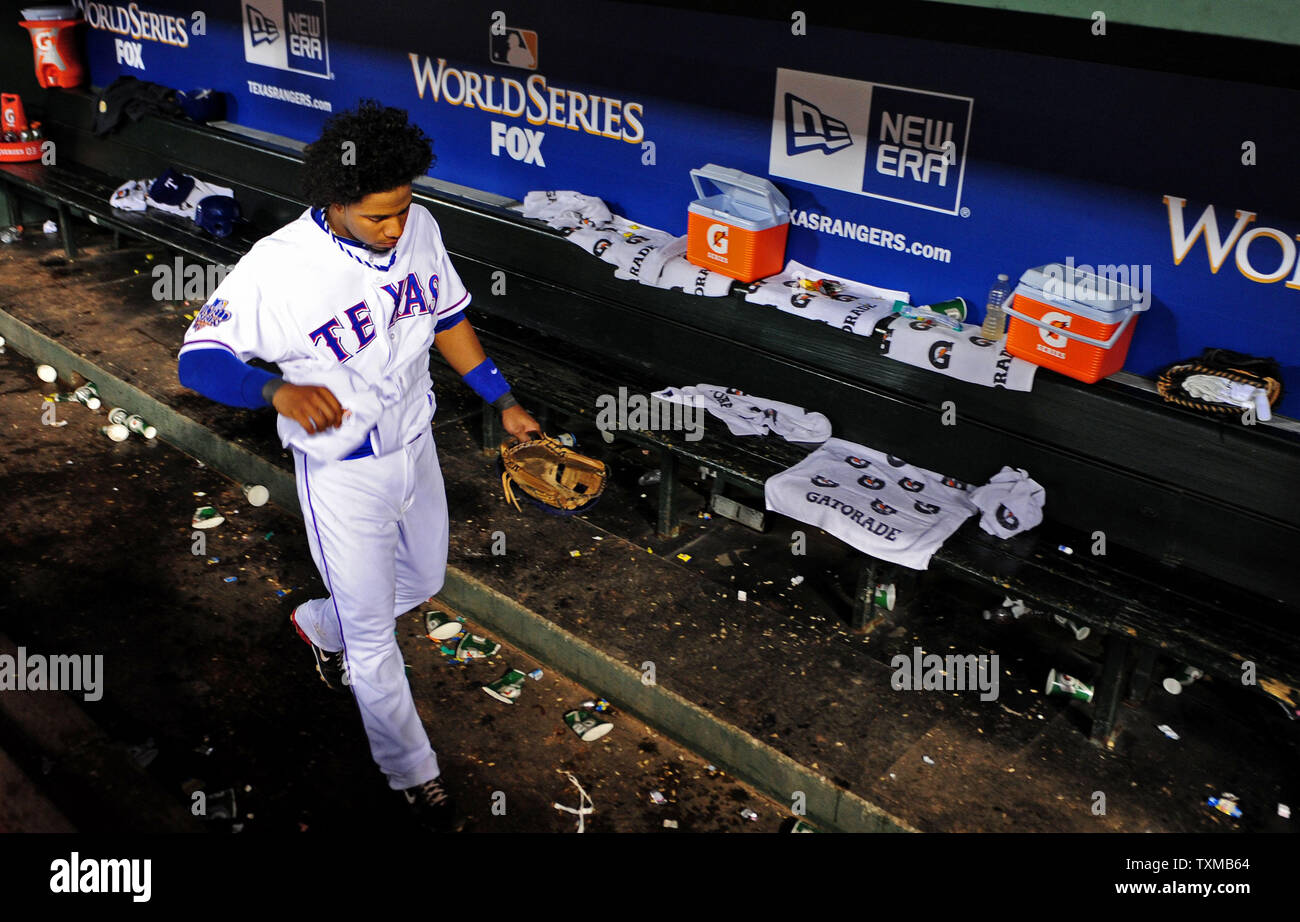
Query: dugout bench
[{"x": 1198, "y": 514}]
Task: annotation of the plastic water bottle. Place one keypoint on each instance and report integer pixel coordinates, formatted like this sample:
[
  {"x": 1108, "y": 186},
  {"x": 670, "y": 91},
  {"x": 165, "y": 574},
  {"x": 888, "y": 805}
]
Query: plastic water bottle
[{"x": 995, "y": 319}]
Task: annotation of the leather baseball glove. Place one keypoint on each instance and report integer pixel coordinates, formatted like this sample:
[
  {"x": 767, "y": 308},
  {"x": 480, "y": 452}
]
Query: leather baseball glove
[
  {"x": 1221, "y": 381},
  {"x": 559, "y": 479}
]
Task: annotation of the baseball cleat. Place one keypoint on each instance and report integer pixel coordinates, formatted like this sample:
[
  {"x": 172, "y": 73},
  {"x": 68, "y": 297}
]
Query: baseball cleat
[
  {"x": 329, "y": 666},
  {"x": 433, "y": 807}
]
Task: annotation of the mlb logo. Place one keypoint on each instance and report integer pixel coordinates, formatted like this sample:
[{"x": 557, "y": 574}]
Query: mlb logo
[
  {"x": 516, "y": 48},
  {"x": 287, "y": 35},
  {"x": 894, "y": 143}
]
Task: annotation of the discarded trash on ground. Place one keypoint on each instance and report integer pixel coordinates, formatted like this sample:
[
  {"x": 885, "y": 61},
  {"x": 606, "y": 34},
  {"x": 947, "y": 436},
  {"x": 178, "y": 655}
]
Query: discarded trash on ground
[
  {"x": 256, "y": 494},
  {"x": 1225, "y": 803},
  {"x": 587, "y": 725},
  {"x": 472, "y": 647},
  {"x": 1185, "y": 676},
  {"x": 206, "y": 517},
  {"x": 1058, "y": 683},
  {"x": 132, "y": 421},
  {"x": 440, "y": 626},
  {"x": 585, "y": 806},
  {"x": 1080, "y": 632},
  {"x": 507, "y": 688}
]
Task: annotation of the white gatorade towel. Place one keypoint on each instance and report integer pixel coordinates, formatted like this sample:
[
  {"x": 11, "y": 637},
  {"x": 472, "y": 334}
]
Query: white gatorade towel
[
  {"x": 855, "y": 309},
  {"x": 564, "y": 209},
  {"x": 965, "y": 355},
  {"x": 746, "y": 414},
  {"x": 874, "y": 502}
]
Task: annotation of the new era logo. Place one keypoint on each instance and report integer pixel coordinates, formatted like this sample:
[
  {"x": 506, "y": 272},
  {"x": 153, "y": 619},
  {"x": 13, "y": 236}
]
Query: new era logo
[
  {"x": 261, "y": 29},
  {"x": 287, "y": 35},
  {"x": 895, "y": 143},
  {"x": 808, "y": 128}
]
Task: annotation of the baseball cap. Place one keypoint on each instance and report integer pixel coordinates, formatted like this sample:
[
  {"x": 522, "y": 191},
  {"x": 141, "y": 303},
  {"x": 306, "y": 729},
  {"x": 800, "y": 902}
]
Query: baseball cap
[
  {"x": 217, "y": 214},
  {"x": 202, "y": 105},
  {"x": 171, "y": 187}
]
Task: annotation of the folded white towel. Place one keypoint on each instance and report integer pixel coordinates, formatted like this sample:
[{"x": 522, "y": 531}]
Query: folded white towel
[{"x": 1010, "y": 503}]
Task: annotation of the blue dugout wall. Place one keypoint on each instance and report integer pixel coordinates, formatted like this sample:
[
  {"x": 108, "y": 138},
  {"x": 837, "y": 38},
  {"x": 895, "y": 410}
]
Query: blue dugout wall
[{"x": 909, "y": 163}]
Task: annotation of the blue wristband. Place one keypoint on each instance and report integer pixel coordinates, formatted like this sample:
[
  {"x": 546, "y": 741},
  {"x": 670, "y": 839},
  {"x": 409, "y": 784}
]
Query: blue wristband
[{"x": 486, "y": 381}]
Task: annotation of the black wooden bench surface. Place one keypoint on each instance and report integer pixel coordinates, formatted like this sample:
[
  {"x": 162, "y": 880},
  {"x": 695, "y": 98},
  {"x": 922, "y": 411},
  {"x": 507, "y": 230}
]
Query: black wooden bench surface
[
  {"x": 82, "y": 191},
  {"x": 1112, "y": 459},
  {"x": 1177, "y": 605}
]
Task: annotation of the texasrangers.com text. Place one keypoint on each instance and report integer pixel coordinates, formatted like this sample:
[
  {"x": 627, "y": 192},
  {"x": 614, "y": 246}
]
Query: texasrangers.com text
[
  {"x": 293, "y": 96},
  {"x": 865, "y": 233}
]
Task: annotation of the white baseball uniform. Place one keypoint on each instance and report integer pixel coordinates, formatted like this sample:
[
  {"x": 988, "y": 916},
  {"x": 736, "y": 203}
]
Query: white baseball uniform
[{"x": 331, "y": 312}]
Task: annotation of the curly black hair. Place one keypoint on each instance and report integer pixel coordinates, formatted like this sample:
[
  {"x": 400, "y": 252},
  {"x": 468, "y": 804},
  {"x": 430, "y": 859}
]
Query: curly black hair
[{"x": 389, "y": 152}]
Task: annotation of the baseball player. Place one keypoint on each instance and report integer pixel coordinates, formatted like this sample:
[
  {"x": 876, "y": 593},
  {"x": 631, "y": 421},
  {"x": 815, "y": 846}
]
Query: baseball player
[{"x": 347, "y": 301}]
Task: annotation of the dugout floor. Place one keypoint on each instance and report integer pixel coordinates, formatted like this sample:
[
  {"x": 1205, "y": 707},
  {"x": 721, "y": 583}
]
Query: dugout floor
[{"x": 98, "y": 558}]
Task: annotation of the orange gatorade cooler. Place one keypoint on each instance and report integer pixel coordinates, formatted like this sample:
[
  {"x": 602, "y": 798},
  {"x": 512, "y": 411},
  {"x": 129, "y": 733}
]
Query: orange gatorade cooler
[
  {"x": 739, "y": 230},
  {"x": 1073, "y": 321},
  {"x": 53, "y": 33}
]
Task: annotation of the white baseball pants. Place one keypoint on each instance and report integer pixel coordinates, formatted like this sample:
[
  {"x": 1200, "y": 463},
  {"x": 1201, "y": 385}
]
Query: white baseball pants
[{"x": 377, "y": 527}]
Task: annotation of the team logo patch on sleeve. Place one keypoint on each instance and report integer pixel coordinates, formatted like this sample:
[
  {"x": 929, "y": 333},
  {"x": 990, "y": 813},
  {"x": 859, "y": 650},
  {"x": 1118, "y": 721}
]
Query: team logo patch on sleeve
[{"x": 213, "y": 314}]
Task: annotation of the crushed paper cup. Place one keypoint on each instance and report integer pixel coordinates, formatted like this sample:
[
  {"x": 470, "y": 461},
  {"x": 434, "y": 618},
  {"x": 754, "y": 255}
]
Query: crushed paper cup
[{"x": 205, "y": 516}]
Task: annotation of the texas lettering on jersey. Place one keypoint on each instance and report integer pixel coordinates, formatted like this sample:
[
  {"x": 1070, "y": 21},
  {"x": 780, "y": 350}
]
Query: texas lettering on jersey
[
  {"x": 332, "y": 313},
  {"x": 409, "y": 300}
]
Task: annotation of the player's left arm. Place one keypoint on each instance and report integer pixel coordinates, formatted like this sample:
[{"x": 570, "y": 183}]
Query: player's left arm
[{"x": 459, "y": 345}]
